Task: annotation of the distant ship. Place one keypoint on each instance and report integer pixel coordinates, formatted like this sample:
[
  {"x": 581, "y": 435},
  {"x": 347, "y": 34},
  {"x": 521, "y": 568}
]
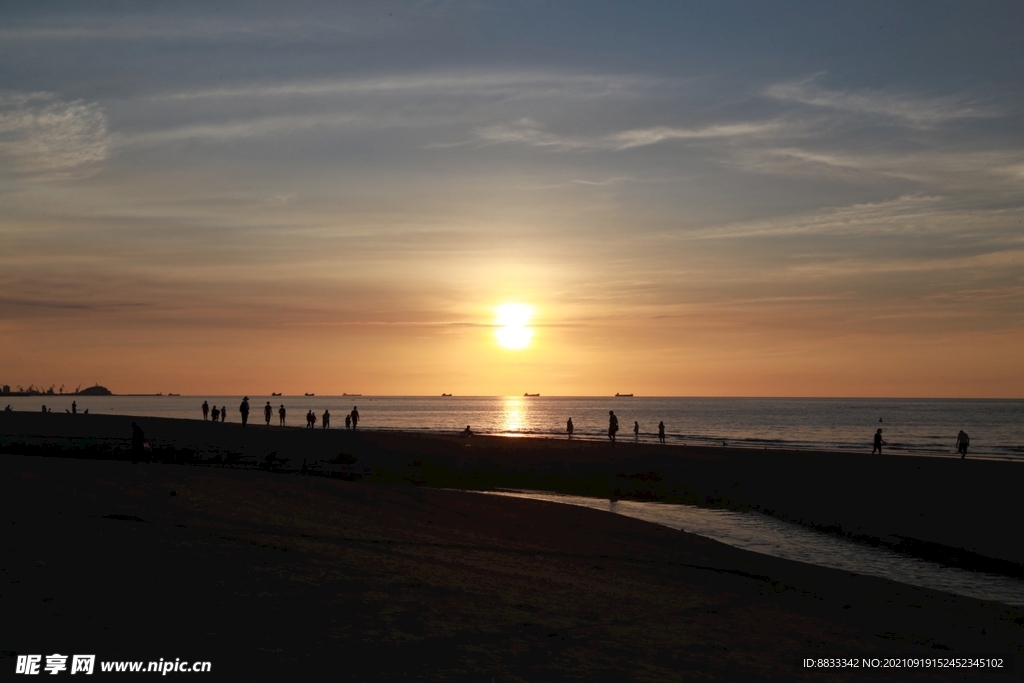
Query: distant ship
[
  {"x": 347, "y": 394},
  {"x": 623, "y": 395},
  {"x": 275, "y": 393},
  {"x": 308, "y": 394},
  {"x": 170, "y": 394},
  {"x": 445, "y": 394},
  {"x": 531, "y": 394}
]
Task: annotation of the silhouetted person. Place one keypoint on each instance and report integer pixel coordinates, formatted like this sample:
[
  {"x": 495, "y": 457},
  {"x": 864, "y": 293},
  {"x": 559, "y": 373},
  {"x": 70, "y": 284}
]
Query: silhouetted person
[
  {"x": 613, "y": 425},
  {"x": 962, "y": 442},
  {"x": 466, "y": 432},
  {"x": 216, "y": 413},
  {"x": 74, "y": 408},
  {"x": 223, "y": 413},
  {"x": 661, "y": 432},
  {"x": 267, "y": 413},
  {"x": 280, "y": 414},
  {"x": 206, "y": 409},
  {"x": 568, "y": 427},
  {"x": 138, "y": 443},
  {"x": 348, "y": 421},
  {"x": 355, "y": 417},
  {"x": 8, "y": 409},
  {"x": 44, "y": 407},
  {"x": 244, "y": 410},
  {"x": 878, "y": 442},
  {"x": 636, "y": 431},
  {"x": 327, "y": 419}
]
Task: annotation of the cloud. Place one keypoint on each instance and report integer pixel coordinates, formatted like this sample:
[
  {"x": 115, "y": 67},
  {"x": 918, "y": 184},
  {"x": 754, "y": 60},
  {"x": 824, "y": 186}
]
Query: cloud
[
  {"x": 446, "y": 83},
  {"x": 908, "y": 109},
  {"x": 529, "y": 132},
  {"x": 234, "y": 130},
  {"x": 42, "y": 135},
  {"x": 993, "y": 174},
  {"x": 943, "y": 220}
]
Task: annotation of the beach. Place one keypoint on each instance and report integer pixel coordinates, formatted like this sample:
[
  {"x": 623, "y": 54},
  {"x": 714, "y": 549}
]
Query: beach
[{"x": 384, "y": 572}]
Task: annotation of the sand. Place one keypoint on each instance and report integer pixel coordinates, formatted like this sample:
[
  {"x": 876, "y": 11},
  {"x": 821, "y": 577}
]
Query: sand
[{"x": 268, "y": 574}]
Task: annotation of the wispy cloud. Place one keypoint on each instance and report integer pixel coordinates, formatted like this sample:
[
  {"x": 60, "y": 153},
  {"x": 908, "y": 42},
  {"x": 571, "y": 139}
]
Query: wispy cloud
[
  {"x": 233, "y": 130},
  {"x": 923, "y": 111},
  {"x": 441, "y": 83},
  {"x": 42, "y": 135},
  {"x": 911, "y": 215},
  {"x": 530, "y": 132},
  {"x": 992, "y": 173}
]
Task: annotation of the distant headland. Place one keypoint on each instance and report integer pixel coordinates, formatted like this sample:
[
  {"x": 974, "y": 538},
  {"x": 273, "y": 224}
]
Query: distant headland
[{"x": 32, "y": 390}]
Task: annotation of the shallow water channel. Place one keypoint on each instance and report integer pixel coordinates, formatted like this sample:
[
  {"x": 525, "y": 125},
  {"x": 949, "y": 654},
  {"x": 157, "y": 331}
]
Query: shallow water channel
[{"x": 760, "y": 533}]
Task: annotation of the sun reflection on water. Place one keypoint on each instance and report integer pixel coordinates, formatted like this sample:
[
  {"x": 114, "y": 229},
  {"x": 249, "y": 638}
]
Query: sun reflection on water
[{"x": 513, "y": 418}]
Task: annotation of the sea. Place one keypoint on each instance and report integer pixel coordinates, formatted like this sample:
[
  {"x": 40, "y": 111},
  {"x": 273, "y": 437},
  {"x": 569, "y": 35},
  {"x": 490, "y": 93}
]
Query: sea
[{"x": 909, "y": 426}]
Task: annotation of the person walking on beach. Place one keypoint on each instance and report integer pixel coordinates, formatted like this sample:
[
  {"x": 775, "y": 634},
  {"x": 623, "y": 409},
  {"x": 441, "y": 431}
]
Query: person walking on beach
[
  {"x": 216, "y": 413},
  {"x": 312, "y": 419},
  {"x": 244, "y": 410},
  {"x": 223, "y": 413},
  {"x": 661, "y": 432},
  {"x": 569, "y": 427},
  {"x": 613, "y": 425},
  {"x": 348, "y": 421},
  {"x": 327, "y": 419},
  {"x": 74, "y": 407},
  {"x": 355, "y": 418},
  {"x": 206, "y": 409},
  {"x": 267, "y": 412},
  {"x": 280, "y": 414},
  {"x": 636, "y": 431},
  {"x": 878, "y": 442},
  {"x": 962, "y": 442}
]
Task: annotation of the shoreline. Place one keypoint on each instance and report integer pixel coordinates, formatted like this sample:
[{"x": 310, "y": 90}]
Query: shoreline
[
  {"x": 903, "y": 504},
  {"x": 918, "y": 428}
]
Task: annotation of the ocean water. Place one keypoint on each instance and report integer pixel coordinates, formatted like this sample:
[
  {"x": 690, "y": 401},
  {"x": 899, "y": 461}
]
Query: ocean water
[
  {"x": 909, "y": 426},
  {"x": 769, "y": 536}
]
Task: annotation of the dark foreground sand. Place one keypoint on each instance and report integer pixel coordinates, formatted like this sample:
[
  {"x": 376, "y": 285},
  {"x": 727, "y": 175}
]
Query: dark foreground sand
[{"x": 272, "y": 575}]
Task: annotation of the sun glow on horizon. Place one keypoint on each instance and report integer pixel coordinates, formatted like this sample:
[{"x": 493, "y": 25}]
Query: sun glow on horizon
[{"x": 512, "y": 320}]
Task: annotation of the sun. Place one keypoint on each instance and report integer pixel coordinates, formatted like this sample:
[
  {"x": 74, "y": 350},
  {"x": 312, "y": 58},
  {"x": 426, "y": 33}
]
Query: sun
[{"x": 512, "y": 332}]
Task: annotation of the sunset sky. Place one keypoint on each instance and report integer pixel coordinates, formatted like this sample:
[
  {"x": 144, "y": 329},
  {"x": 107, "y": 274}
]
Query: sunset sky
[{"x": 694, "y": 198}]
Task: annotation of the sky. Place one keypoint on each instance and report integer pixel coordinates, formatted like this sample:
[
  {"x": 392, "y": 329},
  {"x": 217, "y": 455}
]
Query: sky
[{"x": 693, "y": 198}]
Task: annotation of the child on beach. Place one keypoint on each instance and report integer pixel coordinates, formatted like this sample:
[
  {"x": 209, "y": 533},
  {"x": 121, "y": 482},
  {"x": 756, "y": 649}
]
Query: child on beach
[
  {"x": 348, "y": 421},
  {"x": 216, "y": 413},
  {"x": 878, "y": 442}
]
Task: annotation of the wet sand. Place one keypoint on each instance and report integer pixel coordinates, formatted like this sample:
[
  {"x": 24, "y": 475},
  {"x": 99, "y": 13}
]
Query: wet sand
[{"x": 269, "y": 574}]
